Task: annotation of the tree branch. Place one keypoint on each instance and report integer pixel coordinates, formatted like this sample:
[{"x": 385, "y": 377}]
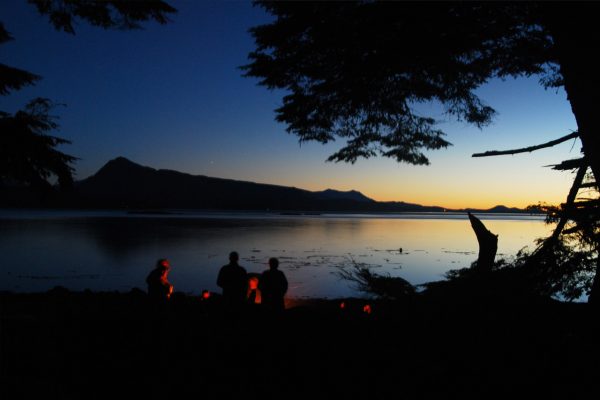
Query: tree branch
[
  {"x": 528, "y": 149},
  {"x": 570, "y": 201},
  {"x": 568, "y": 164}
]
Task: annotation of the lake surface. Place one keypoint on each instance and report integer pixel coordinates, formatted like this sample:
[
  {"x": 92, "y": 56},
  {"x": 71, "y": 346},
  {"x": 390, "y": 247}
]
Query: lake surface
[{"x": 114, "y": 250}]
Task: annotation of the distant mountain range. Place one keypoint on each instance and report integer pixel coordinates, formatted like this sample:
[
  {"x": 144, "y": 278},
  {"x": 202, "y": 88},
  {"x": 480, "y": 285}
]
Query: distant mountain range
[{"x": 122, "y": 183}]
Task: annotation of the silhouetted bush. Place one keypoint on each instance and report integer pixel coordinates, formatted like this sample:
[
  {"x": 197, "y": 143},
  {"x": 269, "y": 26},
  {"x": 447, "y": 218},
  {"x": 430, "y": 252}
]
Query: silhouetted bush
[{"x": 383, "y": 286}]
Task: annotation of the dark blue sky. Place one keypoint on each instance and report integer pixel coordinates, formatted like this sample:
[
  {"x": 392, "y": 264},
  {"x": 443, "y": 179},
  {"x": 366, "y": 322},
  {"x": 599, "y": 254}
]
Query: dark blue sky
[{"x": 172, "y": 96}]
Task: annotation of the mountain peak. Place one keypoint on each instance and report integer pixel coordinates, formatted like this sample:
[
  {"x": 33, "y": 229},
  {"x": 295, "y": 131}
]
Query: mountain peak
[
  {"x": 121, "y": 161},
  {"x": 120, "y": 166},
  {"x": 332, "y": 194},
  {"x": 124, "y": 162}
]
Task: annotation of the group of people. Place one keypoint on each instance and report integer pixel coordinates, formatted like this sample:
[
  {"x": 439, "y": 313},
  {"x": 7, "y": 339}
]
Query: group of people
[{"x": 239, "y": 287}]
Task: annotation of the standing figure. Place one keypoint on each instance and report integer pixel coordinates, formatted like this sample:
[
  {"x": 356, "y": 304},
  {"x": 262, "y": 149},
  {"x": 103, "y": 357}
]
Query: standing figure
[
  {"x": 234, "y": 282},
  {"x": 273, "y": 286},
  {"x": 159, "y": 287}
]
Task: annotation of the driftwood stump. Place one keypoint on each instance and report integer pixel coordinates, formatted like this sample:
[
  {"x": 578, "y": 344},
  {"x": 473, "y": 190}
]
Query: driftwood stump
[{"x": 488, "y": 244}]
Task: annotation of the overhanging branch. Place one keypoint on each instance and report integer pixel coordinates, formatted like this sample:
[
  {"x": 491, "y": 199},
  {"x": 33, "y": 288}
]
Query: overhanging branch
[
  {"x": 528, "y": 149},
  {"x": 569, "y": 164}
]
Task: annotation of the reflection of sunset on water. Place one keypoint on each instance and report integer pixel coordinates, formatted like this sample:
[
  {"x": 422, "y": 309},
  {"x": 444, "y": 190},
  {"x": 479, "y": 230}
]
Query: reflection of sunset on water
[{"x": 110, "y": 253}]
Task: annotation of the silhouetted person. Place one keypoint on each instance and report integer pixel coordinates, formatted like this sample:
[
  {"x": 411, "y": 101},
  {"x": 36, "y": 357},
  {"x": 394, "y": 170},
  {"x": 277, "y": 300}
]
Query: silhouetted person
[
  {"x": 273, "y": 286},
  {"x": 234, "y": 282},
  {"x": 159, "y": 287}
]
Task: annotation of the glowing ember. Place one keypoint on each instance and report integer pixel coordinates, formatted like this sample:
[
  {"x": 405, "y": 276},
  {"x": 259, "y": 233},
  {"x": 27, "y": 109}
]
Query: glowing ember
[
  {"x": 367, "y": 309},
  {"x": 254, "y": 294},
  {"x": 253, "y": 283},
  {"x": 205, "y": 294},
  {"x": 342, "y": 305}
]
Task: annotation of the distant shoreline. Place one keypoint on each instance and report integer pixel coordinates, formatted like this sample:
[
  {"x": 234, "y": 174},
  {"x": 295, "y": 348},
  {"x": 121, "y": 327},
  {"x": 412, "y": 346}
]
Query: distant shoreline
[{"x": 12, "y": 212}]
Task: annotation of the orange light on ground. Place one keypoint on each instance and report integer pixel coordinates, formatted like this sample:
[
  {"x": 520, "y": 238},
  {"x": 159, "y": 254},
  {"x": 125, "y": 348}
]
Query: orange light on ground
[
  {"x": 205, "y": 295},
  {"x": 367, "y": 309}
]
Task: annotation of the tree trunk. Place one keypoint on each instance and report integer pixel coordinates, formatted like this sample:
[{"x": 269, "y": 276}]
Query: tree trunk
[
  {"x": 594, "y": 297},
  {"x": 577, "y": 41},
  {"x": 488, "y": 244}
]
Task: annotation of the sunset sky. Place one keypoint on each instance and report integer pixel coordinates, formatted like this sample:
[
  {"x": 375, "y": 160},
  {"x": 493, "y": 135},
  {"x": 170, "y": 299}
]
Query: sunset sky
[{"x": 172, "y": 96}]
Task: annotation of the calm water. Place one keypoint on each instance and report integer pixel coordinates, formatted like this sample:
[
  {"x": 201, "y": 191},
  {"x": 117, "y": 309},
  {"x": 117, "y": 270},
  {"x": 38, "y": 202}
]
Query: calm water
[{"x": 115, "y": 251}]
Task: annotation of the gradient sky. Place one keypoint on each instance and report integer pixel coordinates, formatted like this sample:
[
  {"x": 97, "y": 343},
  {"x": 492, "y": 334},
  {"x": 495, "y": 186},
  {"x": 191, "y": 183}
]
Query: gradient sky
[{"x": 172, "y": 96}]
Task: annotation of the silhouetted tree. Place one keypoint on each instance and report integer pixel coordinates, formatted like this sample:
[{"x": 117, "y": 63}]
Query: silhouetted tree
[
  {"x": 120, "y": 14},
  {"x": 29, "y": 154},
  {"x": 358, "y": 70},
  {"x": 565, "y": 260},
  {"x": 12, "y": 78}
]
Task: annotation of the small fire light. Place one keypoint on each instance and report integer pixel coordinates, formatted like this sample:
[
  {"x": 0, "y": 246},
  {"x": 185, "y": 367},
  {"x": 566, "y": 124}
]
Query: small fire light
[
  {"x": 342, "y": 305},
  {"x": 253, "y": 283},
  {"x": 367, "y": 309},
  {"x": 205, "y": 295}
]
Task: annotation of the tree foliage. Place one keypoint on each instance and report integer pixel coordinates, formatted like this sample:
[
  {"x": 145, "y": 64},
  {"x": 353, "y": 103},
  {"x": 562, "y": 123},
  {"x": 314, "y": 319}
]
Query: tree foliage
[
  {"x": 29, "y": 153},
  {"x": 359, "y": 70},
  {"x": 12, "y": 78},
  {"x": 106, "y": 14},
  {"x": 567, "y": 258}
]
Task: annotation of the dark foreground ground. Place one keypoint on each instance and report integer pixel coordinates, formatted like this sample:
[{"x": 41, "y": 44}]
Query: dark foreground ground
[{"x": 62, "y": 345}]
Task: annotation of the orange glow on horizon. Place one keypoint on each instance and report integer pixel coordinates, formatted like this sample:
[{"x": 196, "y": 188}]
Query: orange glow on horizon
[
  {"x": 448, "y": 184},
  {"x": 458, "y": 201},
  {"x": 476, "y": 203},
  {"x": 478, "y": 196},
  {"x": 452, "y": 183}
]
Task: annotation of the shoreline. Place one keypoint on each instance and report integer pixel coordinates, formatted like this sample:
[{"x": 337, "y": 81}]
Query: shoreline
[{"x": 63, "y": 344}]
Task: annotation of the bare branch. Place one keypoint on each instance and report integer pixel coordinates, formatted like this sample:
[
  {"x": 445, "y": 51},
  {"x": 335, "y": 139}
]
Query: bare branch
[
  {"x": 528, "y": 149},
  {"x": 568, "y": 164}
]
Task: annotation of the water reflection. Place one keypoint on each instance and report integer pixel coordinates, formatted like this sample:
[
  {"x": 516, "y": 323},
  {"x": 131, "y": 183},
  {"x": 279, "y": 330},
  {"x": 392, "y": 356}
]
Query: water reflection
[{"x": 116, "y": 252}]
